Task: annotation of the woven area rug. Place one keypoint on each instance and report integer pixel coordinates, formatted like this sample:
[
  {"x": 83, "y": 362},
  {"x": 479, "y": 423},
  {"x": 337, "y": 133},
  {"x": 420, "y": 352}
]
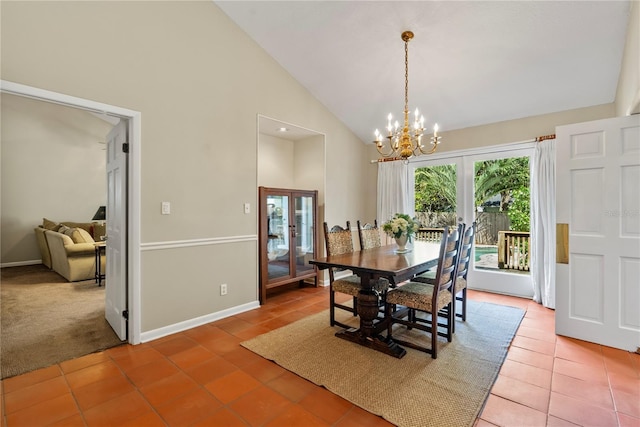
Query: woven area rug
[{"x": 413, "y": 391}]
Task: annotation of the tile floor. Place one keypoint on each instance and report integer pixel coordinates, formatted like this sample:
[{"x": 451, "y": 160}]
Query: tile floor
[{"x": 203, "y": 377}]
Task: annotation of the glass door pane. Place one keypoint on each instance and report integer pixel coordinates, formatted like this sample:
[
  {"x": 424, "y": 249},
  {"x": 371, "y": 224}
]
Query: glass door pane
[
  {"x": 278, "y": 236},
  {"x": 304, "y": 233},
  {"x": 436, "y": 197}
]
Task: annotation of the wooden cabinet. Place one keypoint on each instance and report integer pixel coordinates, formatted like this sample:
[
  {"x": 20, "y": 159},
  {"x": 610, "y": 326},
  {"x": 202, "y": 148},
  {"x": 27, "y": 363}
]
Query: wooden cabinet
[{"x": 288, "y": 237}]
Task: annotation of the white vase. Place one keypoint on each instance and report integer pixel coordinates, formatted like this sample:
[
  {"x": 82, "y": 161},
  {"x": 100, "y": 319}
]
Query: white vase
[{"x": 402, "y": 244}]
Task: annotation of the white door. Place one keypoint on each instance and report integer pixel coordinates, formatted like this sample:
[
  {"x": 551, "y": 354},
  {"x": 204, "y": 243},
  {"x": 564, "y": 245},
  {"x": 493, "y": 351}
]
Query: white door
[
  {"x": 116, "y": 251},
  {"x": 480, "y": 277},
  {"x": 598, "y": 196}
]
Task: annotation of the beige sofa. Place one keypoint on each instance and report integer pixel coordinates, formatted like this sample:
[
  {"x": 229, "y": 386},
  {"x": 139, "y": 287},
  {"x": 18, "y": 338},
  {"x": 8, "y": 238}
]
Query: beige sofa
[{"x": 68, "y": 248}]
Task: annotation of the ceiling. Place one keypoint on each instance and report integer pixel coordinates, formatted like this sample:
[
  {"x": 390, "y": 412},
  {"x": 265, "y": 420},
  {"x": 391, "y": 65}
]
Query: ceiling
[{"x": 470, "y": 62}]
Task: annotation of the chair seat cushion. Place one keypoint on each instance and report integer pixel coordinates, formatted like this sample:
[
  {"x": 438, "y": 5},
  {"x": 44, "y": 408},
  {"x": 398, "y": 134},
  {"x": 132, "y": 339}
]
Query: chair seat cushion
[
  {"x": 350, "y": 285},
  {"x": 430, "y": 277},
  {"x": 419, "y": 296}
]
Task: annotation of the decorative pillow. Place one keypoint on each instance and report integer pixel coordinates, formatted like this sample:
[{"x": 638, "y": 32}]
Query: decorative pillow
[
  {"x": 49, "y": 225},
  {"x": 79, "y": 235},
  {"x": 63, "y": 229}
]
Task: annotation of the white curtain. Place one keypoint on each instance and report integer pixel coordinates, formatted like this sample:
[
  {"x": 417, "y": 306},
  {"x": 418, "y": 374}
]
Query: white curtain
[
  {"x": 543, "y": 223},
  {"x": 393, "y": 191}
]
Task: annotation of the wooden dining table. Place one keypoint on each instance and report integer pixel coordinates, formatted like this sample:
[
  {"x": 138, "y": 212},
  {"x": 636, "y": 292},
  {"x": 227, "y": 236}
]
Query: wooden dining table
[{"x": 370, "y": 265}]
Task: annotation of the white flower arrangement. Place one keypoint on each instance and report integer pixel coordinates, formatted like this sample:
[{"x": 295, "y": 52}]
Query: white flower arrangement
[{"x": 400, "y": 224}]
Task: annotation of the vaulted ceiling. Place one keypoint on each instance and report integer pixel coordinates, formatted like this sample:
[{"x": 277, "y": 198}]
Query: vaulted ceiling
[{"x": 470, "y": 63}]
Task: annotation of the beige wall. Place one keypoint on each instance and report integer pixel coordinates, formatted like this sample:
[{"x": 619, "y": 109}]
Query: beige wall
[
  {"x": 275, "y": 162},
  {"x": 53, "y": 166},
  {"x": 199, "y": 83},
  {"x": 628, "y": 94}
]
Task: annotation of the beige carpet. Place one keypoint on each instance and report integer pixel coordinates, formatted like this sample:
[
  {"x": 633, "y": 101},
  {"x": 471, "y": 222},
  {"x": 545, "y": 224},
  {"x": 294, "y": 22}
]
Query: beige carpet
[
  {"x": 46, "y": 320},
  {"x": 413, "y": 391}
]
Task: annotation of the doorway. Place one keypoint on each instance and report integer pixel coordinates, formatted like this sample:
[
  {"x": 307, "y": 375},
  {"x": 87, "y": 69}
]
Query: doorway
[
  {"x": 130, "y": 213},
  {"x": 472, "y": 186}
]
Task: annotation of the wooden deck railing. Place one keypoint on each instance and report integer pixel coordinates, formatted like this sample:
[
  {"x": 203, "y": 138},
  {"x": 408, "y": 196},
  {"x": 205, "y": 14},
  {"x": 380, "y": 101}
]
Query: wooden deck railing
[
  {"x": 429, "y": 235},
  {"x": 514, "y": 249}
]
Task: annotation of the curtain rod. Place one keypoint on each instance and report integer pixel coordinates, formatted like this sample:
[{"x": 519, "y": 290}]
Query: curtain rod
[
  {"x": 386, "y": 159},
  {"x": 545, "y": 137}
]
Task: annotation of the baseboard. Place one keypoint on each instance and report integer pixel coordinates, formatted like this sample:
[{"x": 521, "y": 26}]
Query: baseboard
[
  {"x": 198, "y": 321},
  {"x": 20, "y": 263}
]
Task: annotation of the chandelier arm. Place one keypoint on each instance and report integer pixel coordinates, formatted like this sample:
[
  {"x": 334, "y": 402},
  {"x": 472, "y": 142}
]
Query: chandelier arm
[{"x": 389, "y": 154}]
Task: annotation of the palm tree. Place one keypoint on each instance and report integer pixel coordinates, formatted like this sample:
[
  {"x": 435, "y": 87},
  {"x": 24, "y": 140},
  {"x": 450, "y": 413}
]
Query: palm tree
[{"x": 435, "y": 189}]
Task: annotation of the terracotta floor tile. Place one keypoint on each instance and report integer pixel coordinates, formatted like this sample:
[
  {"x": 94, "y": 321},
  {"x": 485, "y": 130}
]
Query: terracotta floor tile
[
  {"x": 585, "y": 356},
  {"x": 597, "y": 394},
  {"x": 210, "y": 370},
  {"x": 92, "y": 374},
  {"x": 72, "y": 421},
  {"x": 251, "y": 332},
  {"x": 241, "y": 357},
  {"x": 527, "y": 373},
  {"x": 627, "y": 403},
  {"x": 544, "y": 325},
  {"x": 223, "y": 344},
  {"x": 192, "y": 357},
  {"x": 620, "y": 365},
  {"x": 99, "y": 392},
  {"x": 543, "y": 347},
  {"x": 263, "y": 370},
  {"x": 537, "y": 334},
  {"x": 118, "y": 410},
  {"x": 292, "y": 386},
  {"x": 627, "y": 421},
  {"x": 189, "y": 408},
  {"x": 255, "y": 316},
  {"x": 166, "y": 389},
  {"x": 176, "y": 345},
  {"x": 43, "y": 413},
  {"x": 233, "y": 324},
  {"x": 82, "y": 362},
  {"x": 520, "y": 392},
  {"x": 504, "y": 412},
  {"x": 580, "y": 371},
  {"x": 149, "y": 419},
  {"x": 130, "y": 360},
  {"x": 296, "y": 415},
  {"x": 37, "y": 393},
  {"x": 260, "y": 406},
  {"x": 482, "y": 423},
  {"x": 152, "y": 372},
  {"x": 625, "y": 383},
  {"x": 15, "y": 383},
  {"x": 221, "y": 418},
  {"x": 358, "y": 417},
  {"x": 529, "y": 357},
  {"x": 230, "y": 387},
  {"x": 580, "y": 412},
  {"x": 558, "y": 422},
  {"x": 326, "y": 405}
]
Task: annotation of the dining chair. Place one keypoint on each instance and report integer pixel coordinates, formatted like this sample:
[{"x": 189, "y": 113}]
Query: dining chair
[
  {"x": 429, "y": 276},
  {"x": 414, "y": 298},
  {"x": 369, "y": 235},
  {"x": 340, "y": 241}
]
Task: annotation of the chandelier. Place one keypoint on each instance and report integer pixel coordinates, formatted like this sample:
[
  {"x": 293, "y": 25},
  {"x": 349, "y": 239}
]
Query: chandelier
[{"x": 405, "y": 142}]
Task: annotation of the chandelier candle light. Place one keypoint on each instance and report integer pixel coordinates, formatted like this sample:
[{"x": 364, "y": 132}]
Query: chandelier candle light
[{"x": 403, "y": 141}]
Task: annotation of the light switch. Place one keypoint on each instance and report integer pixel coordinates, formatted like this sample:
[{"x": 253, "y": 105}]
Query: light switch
[
  {"x": 166, "y": 208},
  {"x": 247, "y": 208}
]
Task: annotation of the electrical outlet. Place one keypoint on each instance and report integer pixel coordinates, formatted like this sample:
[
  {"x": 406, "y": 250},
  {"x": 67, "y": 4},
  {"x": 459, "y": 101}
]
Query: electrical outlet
[
  {"x": 166, "y": 208},
  {"x": 223, "y": 289}
]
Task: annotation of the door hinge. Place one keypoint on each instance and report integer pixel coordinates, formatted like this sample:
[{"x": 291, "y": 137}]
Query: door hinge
[
  {"x": 125, "y": 147},
  {"x": 125, "y": 314}
]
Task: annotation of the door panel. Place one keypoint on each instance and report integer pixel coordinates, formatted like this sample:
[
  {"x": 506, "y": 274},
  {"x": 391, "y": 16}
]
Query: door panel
[
  {"x": 116, "y": 253},
  {"x": 598, "y": 291}
]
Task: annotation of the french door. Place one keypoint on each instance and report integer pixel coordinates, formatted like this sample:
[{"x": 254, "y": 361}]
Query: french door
[{"x": 461, "y": 169}]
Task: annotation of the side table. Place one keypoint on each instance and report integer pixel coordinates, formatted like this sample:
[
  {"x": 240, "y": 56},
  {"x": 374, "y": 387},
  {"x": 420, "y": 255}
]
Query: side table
[{"x": 100, "y": 247}]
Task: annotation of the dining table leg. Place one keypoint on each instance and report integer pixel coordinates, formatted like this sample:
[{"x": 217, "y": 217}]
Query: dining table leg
[{"x": 368, "y": 334}]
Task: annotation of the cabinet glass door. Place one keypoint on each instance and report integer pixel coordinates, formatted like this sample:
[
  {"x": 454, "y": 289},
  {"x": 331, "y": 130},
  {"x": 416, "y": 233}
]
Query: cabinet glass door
[
  {"x": 278, "y": 236},
  {"x": 304, "y": 233}
]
